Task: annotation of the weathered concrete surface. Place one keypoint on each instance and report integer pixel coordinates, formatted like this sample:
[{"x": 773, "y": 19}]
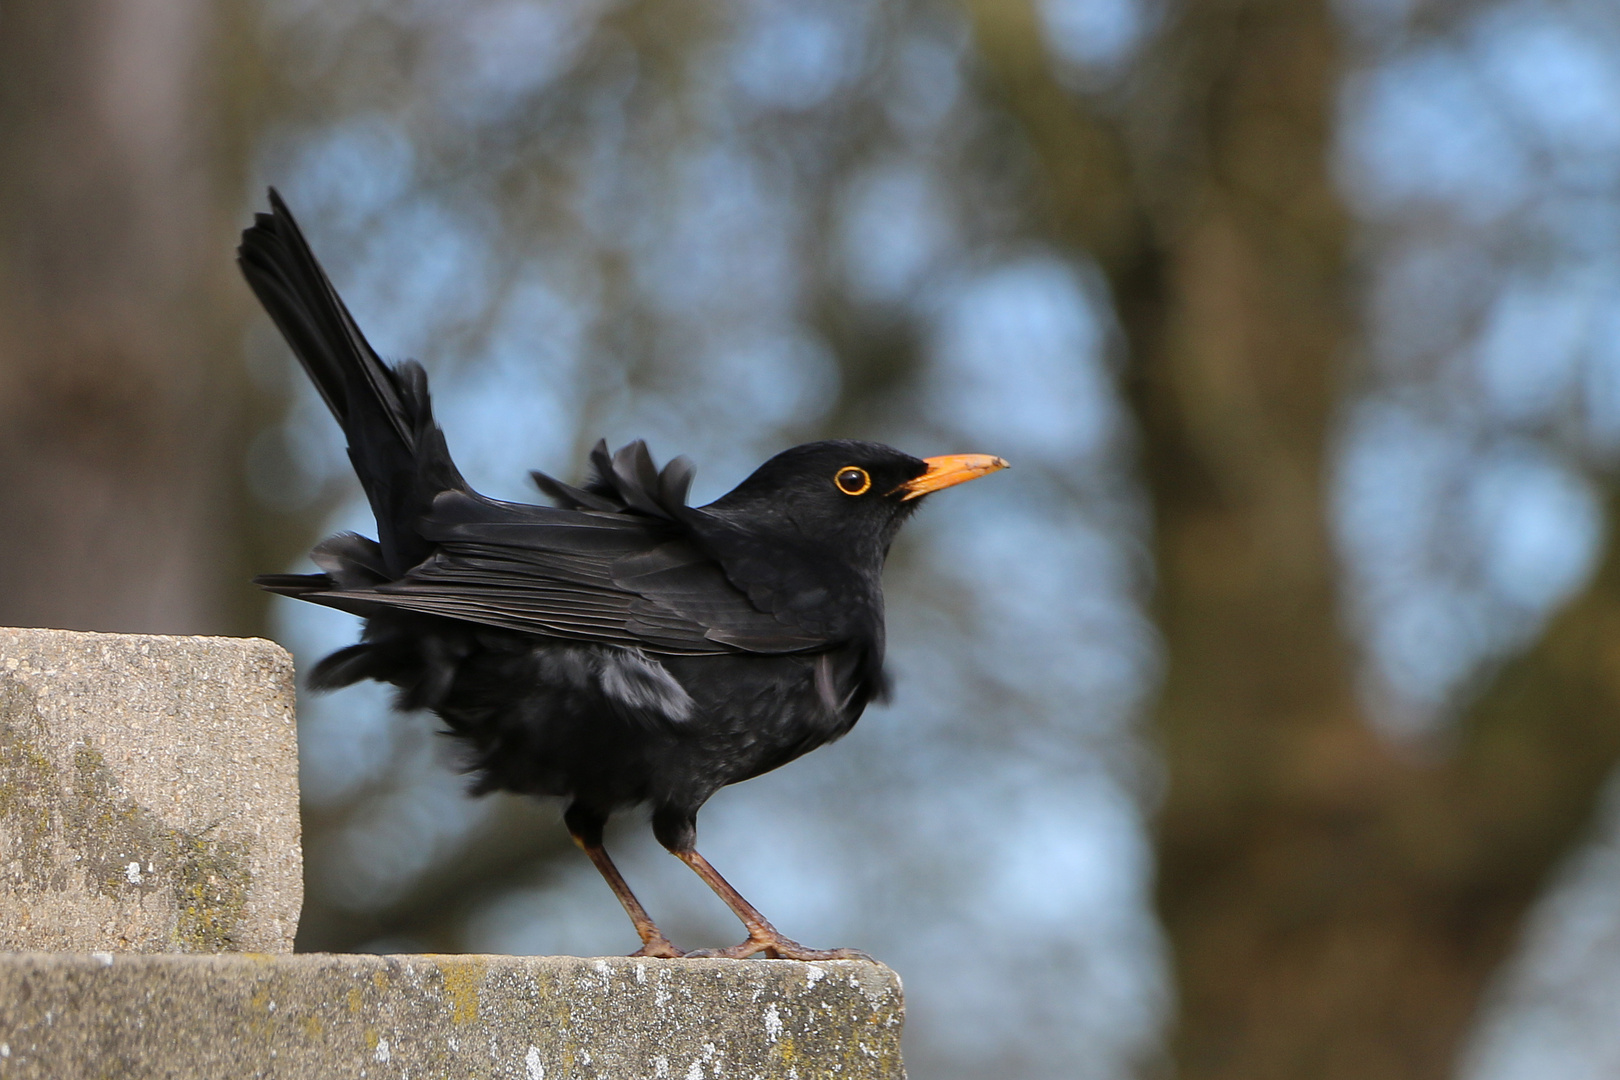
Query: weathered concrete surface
[
  {"x": 321, "y": 1016},
  {"x": 148, "y": 794}
]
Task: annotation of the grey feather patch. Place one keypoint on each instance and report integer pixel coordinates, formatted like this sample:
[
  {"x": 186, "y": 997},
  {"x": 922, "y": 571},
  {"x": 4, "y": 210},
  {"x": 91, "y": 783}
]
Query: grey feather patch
[
  {"x": 627, "y": 677},
  {"x": 576, "y": 667},
  {"x": 827, "y": 687},
  {"x": 635, "y": 679}
]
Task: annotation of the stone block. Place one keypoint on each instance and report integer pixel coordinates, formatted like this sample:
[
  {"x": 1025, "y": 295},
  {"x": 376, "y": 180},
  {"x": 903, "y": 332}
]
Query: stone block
[
  {"x": 148, "y": 794},
  {"x": 314, "y": 1017}
]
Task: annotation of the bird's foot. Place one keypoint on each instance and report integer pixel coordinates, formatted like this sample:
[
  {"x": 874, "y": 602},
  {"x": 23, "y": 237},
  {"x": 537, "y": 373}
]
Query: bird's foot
[
  {"x": 777, "y": 947},
  {"x": 660, "y": 947}
]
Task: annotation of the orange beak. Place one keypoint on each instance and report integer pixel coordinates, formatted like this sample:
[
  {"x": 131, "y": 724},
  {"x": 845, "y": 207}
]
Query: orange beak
[{"x": 948, "y": 471}]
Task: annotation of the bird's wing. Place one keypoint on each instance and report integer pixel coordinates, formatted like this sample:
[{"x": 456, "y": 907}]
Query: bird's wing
[{"x": 586, "y": 575}]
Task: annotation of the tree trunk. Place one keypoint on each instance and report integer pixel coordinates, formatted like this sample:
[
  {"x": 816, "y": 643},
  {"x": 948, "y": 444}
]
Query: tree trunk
[
  {"x": 122, "y": 392},
  {"x": 1335, "y": 907}
]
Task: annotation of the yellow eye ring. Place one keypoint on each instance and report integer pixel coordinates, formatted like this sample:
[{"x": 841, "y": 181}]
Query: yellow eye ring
[{"x": 852, "y": 480}]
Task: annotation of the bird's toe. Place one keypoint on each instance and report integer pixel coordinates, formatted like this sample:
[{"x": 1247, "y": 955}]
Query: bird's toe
[
  {"x": 777, "y": 947},
  {"x": 792, "y": 950}
]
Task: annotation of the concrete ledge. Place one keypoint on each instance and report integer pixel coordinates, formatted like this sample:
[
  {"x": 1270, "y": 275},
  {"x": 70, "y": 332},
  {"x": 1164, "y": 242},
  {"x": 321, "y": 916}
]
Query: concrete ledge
[
  {"x": 317, "y": 1016},
  {"x": 148, "y": 793}
]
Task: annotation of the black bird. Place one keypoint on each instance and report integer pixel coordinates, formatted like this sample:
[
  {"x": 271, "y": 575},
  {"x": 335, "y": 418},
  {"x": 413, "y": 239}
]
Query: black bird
[{"x": 617, "y": 648}]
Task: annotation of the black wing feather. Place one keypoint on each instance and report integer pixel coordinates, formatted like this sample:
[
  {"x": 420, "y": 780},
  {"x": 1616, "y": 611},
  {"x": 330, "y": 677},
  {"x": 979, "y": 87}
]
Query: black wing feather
[{"x": 625, "y": 579}]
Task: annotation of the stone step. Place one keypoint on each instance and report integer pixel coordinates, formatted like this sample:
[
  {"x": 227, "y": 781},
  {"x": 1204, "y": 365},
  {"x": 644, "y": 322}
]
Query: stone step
[{"x": 148, "y": 793}]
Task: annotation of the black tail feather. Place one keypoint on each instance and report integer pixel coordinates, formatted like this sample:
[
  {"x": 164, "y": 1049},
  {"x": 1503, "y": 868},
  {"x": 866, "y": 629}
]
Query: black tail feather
[{"x": 397, "y": 450}]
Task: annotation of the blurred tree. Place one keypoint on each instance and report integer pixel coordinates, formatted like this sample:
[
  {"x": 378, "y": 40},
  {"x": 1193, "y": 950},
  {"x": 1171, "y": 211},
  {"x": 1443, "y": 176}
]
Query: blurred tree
[
  {"x": 123, "y": 400},
  {"x": 1336, "y": 904}
]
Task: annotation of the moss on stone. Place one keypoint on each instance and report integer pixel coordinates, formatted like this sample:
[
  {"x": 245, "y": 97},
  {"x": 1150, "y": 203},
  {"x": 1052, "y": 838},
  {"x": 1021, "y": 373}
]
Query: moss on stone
[
  {"x": 120, "y": 847},
  {"x": 28, "y": 784}
]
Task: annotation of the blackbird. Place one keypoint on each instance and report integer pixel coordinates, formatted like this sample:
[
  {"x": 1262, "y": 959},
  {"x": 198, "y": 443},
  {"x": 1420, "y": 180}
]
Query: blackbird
[{"x": 616, "y": 648}]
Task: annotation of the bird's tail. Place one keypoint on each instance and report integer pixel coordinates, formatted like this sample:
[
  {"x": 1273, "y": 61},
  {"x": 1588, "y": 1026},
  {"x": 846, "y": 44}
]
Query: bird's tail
[{"x": 397, "y": 449}]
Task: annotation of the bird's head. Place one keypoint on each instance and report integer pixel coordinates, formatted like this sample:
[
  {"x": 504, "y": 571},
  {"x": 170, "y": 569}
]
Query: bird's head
[{"x": 842, "y": 494}]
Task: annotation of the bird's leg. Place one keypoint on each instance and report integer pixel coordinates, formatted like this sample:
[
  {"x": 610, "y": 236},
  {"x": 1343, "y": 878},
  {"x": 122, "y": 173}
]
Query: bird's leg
[
  {"x": 762, "y": 936},
  {"x": 585, "y": 826},
  {"x": 679, "y": 838}
]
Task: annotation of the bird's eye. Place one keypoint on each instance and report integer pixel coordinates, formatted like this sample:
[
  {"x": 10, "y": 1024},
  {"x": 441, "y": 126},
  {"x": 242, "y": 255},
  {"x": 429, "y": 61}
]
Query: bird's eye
[{"x": 852, "y": 481}]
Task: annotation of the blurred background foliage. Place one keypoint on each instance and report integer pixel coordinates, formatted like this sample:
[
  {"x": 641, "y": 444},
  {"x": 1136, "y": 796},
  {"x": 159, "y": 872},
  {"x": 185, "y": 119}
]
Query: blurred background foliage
[{"x": 1258, "y": 724}]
